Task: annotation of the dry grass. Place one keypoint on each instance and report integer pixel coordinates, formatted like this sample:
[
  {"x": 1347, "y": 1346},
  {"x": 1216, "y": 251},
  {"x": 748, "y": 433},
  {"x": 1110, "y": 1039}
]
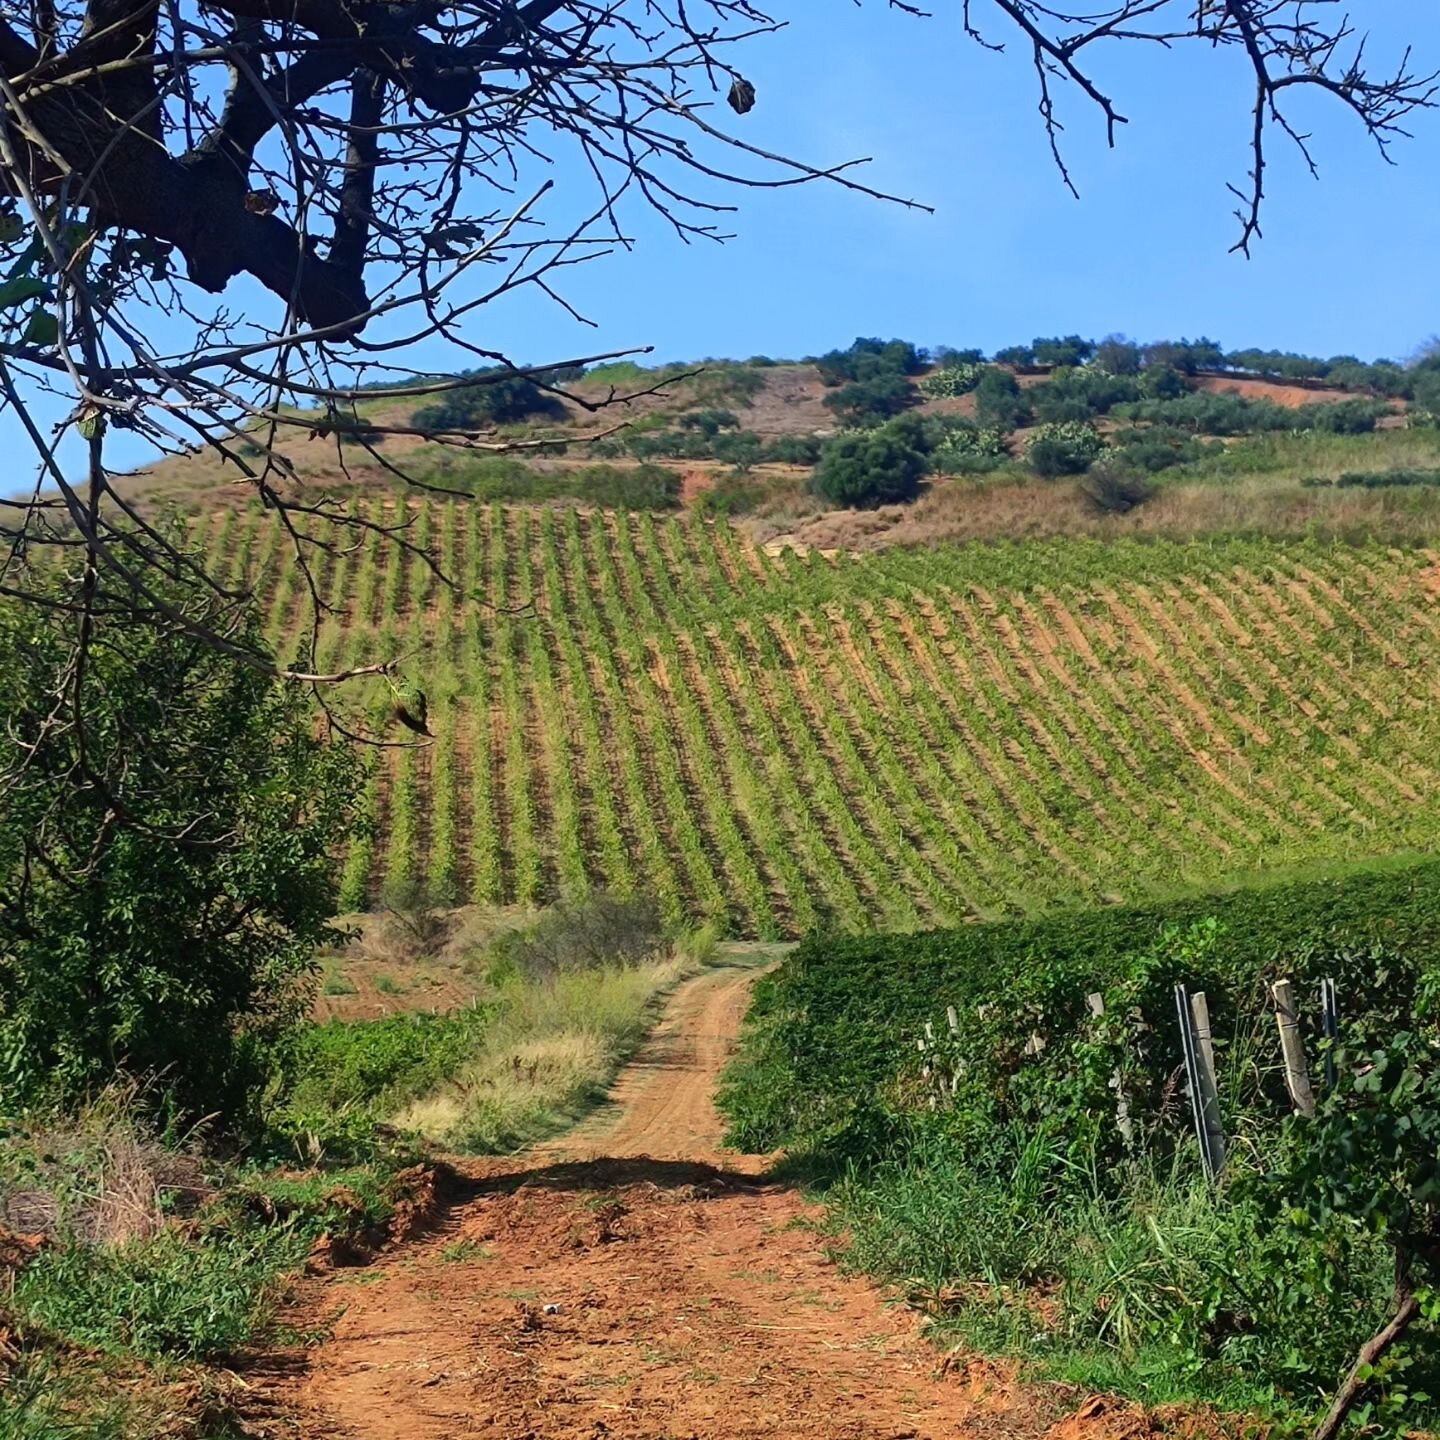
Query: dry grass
[
  {"x": 553, "y": 1049},
  {"x": 431, "y": 958},
  {"x": 958, "y": 510},
  {"x": 97, "y": 1176}
]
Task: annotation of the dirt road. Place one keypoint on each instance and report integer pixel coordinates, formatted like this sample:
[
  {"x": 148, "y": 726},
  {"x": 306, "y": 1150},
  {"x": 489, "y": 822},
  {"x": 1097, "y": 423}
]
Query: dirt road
[{"x": 629, "y": 1282}]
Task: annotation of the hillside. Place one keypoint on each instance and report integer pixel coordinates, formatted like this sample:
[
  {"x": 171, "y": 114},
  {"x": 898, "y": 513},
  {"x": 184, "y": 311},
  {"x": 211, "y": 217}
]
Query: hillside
[
  {"x": 1230, "y": 451},
  {"x": 778, "y": 741}
]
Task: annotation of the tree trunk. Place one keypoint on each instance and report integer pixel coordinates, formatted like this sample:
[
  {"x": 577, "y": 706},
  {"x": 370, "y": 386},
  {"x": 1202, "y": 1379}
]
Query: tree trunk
[{"x": 1407, "y": 1307}]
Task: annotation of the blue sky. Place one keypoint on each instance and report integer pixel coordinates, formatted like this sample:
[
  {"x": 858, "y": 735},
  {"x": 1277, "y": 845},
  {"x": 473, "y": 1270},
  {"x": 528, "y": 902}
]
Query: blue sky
[{"x": 1350, "y": 263}]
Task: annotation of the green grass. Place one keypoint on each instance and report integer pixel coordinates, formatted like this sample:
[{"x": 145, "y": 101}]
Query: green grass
[
  {"x": 145, "y": 1285},
  {"x": 498, "y": 478},
  {"x": 1111, "y": 1294},
  {"x": 1303, "y": 455},
  {"x": 170, "y": 1296}
]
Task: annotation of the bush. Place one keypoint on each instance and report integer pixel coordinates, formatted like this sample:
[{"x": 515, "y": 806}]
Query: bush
[
  {"x": 946, "y": 357},
  {"x": 1426, "y": 392},
  {"x": 1342, "y": 417},
  {"x": 872, "y": 401},
  {"x": 1278, "y": 364},
  {"x": 793, "y": 450},
  {"x": 955, "y": 378},
  {"x": 868, "y": 358},
  {"x": 709, "y": 422},
  {"x": 1206, "y": 414},
  {"x": 497, "y": 396},
  {"x": 1118, "y": 356},
  {"x": 1156, "y": 447},
  {"x": 1162, "y": 382},
  {"x": 1114, "y": 488},
  {"x": 999, "y": 401},
  {"x": 588, "y": 934},
  {"x": 1066, "y": 449},
  {"x": 1071, "y": 394},
  {"x": 966, "y": 449},
  {"x": 634, "y": 487},
  {"x": 1072, "y": 350},
  {"x": 176, "y": 937},
  {"x": 735, "y": 494},
  {"x": 1187, "y": 356},
  {"x": 868, "y": 468},
  {"x": 740, "y": 448}
]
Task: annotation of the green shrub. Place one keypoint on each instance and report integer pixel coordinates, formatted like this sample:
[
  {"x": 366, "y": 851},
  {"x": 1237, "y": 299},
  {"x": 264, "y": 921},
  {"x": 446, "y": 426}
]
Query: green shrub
[
  {"x": 1154, "y": 448},
  {"x": 955, "y": 378},
  {"x": 866, "y": 468},
  {"x": 867, "y": 359},
  {"x": 966, "y": 449},
  {"x": 634, "y": 487},
  {"x": 793, "y": 450},
  {"x": 1342, "y": 417},
  {"x": 172, "y": 934},
  {"x": 740, "y": 448},
  {"x": 1203, "y": 413},
  {"x": 1118, "y": 356},
  {"x": 1278, "y": 364},
  {"x": 872, "y": 401},
  {"x": 1426, "y": 392},
  {"x": 999, "y": 402},
  {"x": 1065, "y": 449},
  {"x": 1113, "y": 488},
  {"x": 601, "y": 930},
  {"x": 1208, "y": 414},
  {"x": 709, "y": 422},
  {"x": 1071, "y": 350},
  {"x": 1162, "y": 382},
  {"x": 1071, "y": 394},
  {"x": 496, "y": 396},
  {"x": 1186, "y": 356}
]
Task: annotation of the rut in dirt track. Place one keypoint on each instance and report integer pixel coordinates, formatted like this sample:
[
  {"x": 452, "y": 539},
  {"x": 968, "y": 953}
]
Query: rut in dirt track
[{"x": 628, "y": 1282}]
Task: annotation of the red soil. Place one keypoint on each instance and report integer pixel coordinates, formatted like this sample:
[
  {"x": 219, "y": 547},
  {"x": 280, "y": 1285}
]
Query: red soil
[{"x": 631, "y": 1283}]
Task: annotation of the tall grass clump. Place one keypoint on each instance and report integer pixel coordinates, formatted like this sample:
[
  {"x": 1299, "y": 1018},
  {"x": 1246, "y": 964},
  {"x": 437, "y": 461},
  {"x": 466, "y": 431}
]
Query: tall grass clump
[
  {"x": 573, "y": 998},
  {"x": 560, "y": 1004}
]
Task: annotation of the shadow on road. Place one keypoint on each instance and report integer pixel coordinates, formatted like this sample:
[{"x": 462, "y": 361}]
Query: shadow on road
[{"x": 581, "y": 1176}]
